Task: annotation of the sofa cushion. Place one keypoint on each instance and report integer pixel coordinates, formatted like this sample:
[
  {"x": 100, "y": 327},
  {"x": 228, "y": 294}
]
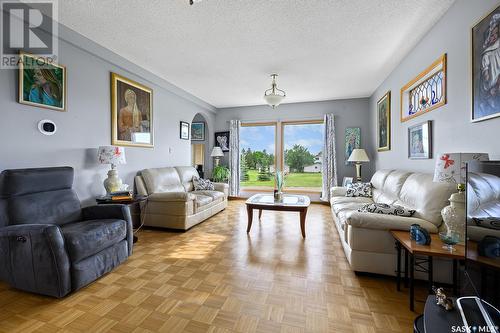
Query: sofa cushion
[
  {"x": 215, "y": 195},
  {"x": 84, "y": 239},
  {"x": 201, "y": 184},
  {"x": 337, "y": 208},
  {"x": 394, "y": 182},
  {"x": 339, "y": 200},
  {"x": 186, "y": 175},
  {"x": 424, "y": 195},
  {"x": 171, "y": 197},
  {"x": 159, "y": 180},
  {"x": 202, "y": 200},
  {"x": 359, "y": 190},
  {"x": 380, "y": 208}
]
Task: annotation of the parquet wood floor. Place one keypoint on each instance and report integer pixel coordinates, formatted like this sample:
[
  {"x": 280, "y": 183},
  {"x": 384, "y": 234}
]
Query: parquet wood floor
[{"x": 215, "y": 278}]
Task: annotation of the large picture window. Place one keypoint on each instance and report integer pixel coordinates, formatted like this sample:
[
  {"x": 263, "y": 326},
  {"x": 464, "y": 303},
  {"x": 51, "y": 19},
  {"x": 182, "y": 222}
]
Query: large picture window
[
  {"x": 302, "y": 144},
  {"x": 258, "y": 155}
]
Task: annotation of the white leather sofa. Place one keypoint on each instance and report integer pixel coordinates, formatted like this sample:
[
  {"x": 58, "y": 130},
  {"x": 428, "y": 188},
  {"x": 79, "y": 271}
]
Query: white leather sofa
[
  {"x": 367, "y": 242},
  {"x": 483, "y": 201},
  {"x": 172, "y": 201}
]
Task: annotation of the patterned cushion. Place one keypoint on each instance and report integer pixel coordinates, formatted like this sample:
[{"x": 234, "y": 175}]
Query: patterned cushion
[
  {"x": 488, "y": 222},
  {"x": 381, "y": 208},
  {"x": 201, "y": 184},
  {"x": 359, "y": 190}
]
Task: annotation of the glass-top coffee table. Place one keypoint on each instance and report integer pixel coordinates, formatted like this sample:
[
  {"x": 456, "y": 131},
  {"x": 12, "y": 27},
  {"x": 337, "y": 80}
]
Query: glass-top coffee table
[{"x": 289, "y": 203}]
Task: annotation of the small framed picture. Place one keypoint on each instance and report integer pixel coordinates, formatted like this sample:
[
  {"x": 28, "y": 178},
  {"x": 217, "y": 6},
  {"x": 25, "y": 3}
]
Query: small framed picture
[
  {"x": 41, "y": 84},
  {"x": 384, "y": 122},
  {"x": 184, "y": 134},
  {"x": 420, "y": 141},
  {"x": 347, "y": 180},
  {"x": 222, "y": 140},
  {"x": 198, "y": 131}
]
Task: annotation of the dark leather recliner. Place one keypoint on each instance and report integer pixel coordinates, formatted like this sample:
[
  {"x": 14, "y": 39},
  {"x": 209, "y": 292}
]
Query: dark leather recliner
[{"x": 48, "y": 244}]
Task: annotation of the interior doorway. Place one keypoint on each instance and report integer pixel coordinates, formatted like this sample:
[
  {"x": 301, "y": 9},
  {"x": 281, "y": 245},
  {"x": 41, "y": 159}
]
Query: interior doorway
[{"x": 200, "y": 156}]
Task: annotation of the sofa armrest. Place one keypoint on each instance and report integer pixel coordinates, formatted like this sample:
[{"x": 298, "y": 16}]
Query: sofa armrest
[
  {"x": 387, "y": 222},
  {"x": 338, "y": 191},
  {"x": 120, "y": 212},
  {"x": 172, "y": 197},
  {"x": 98, "y": 212},
  {"x": 222, "y": 187},
  {"x": 33, "y": 258}
]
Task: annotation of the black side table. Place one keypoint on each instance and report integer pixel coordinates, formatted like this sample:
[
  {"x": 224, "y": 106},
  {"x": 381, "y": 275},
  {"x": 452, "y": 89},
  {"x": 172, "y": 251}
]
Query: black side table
[{"x": 133, "y": 204}]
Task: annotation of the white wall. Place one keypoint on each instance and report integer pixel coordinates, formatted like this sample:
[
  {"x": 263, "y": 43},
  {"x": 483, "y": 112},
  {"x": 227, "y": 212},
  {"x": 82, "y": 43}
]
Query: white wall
[
  {"x": 453, "y": 131},
  {"x": 348, "y": 113},
  {"x": 87, "y": 122}
]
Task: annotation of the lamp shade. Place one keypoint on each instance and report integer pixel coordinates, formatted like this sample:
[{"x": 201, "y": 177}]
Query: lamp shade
[
  {"x": 358, "y": 155},
  {"x": 111, "y": 155},
  {"x": 451, "y": 167},
  {"x": 217, "y": 152}
]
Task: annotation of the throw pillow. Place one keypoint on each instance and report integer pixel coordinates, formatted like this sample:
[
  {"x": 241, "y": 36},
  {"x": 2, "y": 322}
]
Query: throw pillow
[
  {"x": 201, "y": 184},
  {"x": 359, "y": 190},
  {"x": 381, "y": 208},
  {"x": 488, "y": 222}
]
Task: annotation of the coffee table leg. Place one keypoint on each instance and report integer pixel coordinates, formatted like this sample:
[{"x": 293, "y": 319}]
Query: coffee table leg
[
  {"x": 250, "y": 217},
  {"x": 303, "y": 214},
  {"x": 260, "y": 213}
]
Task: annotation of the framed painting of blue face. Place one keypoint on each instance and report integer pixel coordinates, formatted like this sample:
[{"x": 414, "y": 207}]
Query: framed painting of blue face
[
  {"x": 486, "y": 67},
  {"x": 198, "y": 131},
  {"x": 41, "y": 83}
]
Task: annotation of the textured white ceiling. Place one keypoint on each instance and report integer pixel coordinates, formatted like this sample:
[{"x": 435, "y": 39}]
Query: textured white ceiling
[{"x": 222, "y": 51}]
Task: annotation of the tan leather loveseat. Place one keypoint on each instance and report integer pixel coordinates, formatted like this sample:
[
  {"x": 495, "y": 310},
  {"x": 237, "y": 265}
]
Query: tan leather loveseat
[{"x": 172, "y": 201}]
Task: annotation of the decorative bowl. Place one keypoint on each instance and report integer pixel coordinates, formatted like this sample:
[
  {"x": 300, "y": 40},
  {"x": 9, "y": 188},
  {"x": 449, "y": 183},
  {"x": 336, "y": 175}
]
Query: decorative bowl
[{"x": 449, "y": 238}]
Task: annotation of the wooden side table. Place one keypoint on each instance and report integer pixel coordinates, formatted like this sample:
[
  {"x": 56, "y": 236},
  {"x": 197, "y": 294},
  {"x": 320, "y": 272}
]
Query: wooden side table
[
  {"x": 412, "y": 249},
  {"x": 133, "y": 204}
]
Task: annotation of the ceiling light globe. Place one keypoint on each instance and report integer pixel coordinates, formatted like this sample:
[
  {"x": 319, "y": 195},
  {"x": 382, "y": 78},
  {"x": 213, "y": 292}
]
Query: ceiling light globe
[{"x": 273, "y": 99}]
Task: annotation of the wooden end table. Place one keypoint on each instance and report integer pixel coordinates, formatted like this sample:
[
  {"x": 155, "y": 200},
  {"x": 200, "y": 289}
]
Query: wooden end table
[
  {"x": 434, "y": 249},
  {"x": 133, "y": 204},
  {"x": 289, "y": 203}
]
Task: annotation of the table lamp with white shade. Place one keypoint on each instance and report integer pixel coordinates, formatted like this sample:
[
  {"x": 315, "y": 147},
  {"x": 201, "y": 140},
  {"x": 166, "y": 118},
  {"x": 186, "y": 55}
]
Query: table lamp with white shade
[
  {"x": 452, "y": 168},
  {"x": 358, "y": 156},
  {"x": 112, "y": 155},
  {"x": 217, "y": 153}
]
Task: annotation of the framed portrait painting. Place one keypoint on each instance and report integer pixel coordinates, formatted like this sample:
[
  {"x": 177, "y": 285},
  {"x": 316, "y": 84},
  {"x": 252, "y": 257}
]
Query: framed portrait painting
[
  {"x": 384, "y": 122},
  {"x": 184, "y": 130},
  {"x": 485, "y": 37},
  {"x": 420, "y": 141},
  {"x": 131, "y": 113},
  {"x": 352, "y": 141},
  {"x": 198, "y": 131},
  {"x": 222, "y": 140},
  {"x": 41, "y": 83}
]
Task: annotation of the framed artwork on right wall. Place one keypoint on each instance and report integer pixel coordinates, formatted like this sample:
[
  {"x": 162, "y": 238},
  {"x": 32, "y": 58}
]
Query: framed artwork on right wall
[
  {"x": 485, "y": 51},
  {"x": 384, "y": 122}
]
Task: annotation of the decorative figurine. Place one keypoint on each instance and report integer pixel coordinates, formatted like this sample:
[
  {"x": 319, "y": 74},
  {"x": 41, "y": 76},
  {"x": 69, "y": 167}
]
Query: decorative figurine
[
  {"x": 442, "y": 300},
  {"x": 419, "y": 235}
]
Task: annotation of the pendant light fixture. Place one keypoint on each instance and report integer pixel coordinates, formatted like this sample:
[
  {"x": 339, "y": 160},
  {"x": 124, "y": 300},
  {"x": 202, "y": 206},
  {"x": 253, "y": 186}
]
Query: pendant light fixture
[{"x": 274, "y": 96}]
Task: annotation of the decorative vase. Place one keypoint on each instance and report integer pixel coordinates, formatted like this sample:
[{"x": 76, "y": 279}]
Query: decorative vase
[
  {"x": 279, "y": 181},
  {"x": 454, "y": 215},
  {"x": 113, "y": 183}
]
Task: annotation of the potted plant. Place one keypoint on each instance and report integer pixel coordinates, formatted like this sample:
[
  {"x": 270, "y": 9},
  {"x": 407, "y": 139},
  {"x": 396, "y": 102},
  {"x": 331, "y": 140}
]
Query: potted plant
[{"x": 220, "y": 174}]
